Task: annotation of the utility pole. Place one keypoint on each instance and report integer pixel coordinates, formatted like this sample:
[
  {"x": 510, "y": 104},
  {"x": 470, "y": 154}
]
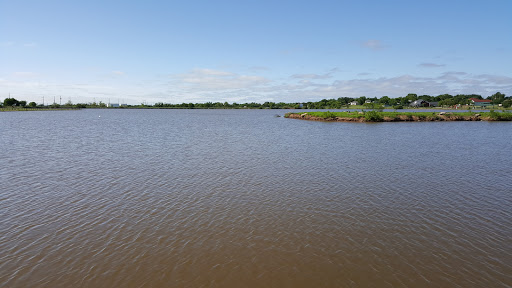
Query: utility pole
[
  {"x": 43, "y": 100},
  {"x": 60, "y": 101}
]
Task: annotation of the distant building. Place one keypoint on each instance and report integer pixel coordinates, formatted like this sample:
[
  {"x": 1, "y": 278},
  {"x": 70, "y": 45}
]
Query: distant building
[
  {"x": 423, "y": 103},
  {"x": 368, "y": 101},
  {"x": 419, "y": 103},
  {"x": 353, "y": 103},
  {"x": 113, "y": 105},
  {"x": 480, "y": 102}
]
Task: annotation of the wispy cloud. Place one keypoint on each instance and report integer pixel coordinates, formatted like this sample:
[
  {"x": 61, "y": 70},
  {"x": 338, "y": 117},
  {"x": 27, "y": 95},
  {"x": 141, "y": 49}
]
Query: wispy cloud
[
  {"x": 25, "y": 74},
  {"x": 209, "y": 79},
  {"x": 259, "y": 68},
  {"x": 6, "y": 44},
  {"x": 202, "y": 85},
  {"x": 311, "y": 76},
  {"x": 374, "y": 45},
  {"x": 31, "y": 44},
  {"x": 431, "y": 65}
]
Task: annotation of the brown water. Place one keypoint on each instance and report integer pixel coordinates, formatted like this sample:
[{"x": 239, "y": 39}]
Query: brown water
[{"x": 231, "y": 198}]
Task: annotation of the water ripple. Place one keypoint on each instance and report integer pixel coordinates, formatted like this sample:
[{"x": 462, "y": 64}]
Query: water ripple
[{"x": 242, "y": 199}]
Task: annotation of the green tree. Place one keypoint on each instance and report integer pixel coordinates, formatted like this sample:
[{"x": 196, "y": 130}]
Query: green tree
[
  {"x": 10, "y": 102},
  {"x": 22, "y": 103},
  {"x": 447, "y": 102},
  {"x": 411, "y": 97},
  {"x": 32, "y": 104},
  {"x": 497, "y": 98},
  {"x": 361, "y": 100},
  {"x": 384, "y": 100}
]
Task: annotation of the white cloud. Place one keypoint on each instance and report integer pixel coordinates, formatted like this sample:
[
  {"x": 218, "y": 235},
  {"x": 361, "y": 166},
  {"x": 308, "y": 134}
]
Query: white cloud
[
  {"x": 431, "y": 65},
  {"x": 206, "y": 80},
  {"x": 312, "y": 76},
  {"x": 374, "y": 45},
  {"x": 202, "y": 85},
  {"x": 25, "y": 74}
]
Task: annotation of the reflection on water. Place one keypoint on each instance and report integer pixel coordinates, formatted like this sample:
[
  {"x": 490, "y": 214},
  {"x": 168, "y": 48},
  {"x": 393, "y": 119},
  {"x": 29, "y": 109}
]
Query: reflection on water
[{"x": 237, "y": 198}]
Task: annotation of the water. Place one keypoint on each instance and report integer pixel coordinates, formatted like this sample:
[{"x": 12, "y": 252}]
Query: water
[{"x": 240, "y": 198}]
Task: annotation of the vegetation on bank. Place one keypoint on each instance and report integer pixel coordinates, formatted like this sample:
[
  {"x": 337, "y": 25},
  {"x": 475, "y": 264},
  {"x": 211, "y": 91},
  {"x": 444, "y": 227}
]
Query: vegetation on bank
[
  {"x": 379, "y": 116},
  {"x": 444, "y": 101}
]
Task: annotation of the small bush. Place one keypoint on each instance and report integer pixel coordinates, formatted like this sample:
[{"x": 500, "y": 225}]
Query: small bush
[
  {"x": 494, "y": 115},
  {"x": 372, "y": 116},
  {"x": 328, "y": 114}
]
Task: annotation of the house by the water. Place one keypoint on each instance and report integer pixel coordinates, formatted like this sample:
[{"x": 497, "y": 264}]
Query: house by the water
[
  {"x": 480, "y": 102},
  {"x": 423, "y": 103}
]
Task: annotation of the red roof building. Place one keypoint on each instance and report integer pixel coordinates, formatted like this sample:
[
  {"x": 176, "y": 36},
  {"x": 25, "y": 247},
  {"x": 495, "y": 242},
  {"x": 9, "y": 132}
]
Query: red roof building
[{"x": 480, "y": 102}]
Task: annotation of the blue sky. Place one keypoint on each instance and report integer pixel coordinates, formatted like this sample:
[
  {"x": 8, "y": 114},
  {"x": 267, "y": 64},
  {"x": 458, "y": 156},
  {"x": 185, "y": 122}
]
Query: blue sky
[{"x": 252, "y": 51}]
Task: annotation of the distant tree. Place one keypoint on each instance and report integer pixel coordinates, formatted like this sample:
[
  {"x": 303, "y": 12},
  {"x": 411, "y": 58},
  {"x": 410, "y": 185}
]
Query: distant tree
[
  {"x": 32, "y": 104},
  {"x": 361, "y": 100},
  {"x": 447, "y": 102},
  {"x": 411, "y": 97},
  {"x": 22, "y": 103},
  {"x": 393, "y": 101},
  {"x": 427, "y": 98},
  {"x": 443, "y": 97},
  {"x": 334, "y": 104},
  {"x": 345, "y": 100},
  {"x": 10, "y": 102},
  {"x": 384, "y": 100},
  {"x": 497, "y": 98}
]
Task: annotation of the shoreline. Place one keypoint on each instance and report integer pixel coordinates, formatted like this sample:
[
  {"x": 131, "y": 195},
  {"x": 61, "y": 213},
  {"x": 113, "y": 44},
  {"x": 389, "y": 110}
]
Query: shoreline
[{"x": 374, "y": 116}]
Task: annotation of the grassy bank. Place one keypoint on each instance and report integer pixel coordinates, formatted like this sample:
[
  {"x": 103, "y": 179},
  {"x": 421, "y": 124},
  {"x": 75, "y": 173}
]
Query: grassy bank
[{"x": 376, "y": 116}]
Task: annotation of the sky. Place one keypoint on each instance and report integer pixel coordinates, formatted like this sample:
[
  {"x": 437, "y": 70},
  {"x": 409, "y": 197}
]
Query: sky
[{"x": 252, "y": 51}]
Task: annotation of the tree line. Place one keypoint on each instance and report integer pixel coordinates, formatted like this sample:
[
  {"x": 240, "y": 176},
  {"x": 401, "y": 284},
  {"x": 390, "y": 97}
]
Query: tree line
[{"x": 341, "y": 102}]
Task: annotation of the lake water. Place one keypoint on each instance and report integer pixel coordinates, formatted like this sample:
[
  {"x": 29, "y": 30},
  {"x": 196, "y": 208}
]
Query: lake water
[{"x": 240, "y": 198}]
